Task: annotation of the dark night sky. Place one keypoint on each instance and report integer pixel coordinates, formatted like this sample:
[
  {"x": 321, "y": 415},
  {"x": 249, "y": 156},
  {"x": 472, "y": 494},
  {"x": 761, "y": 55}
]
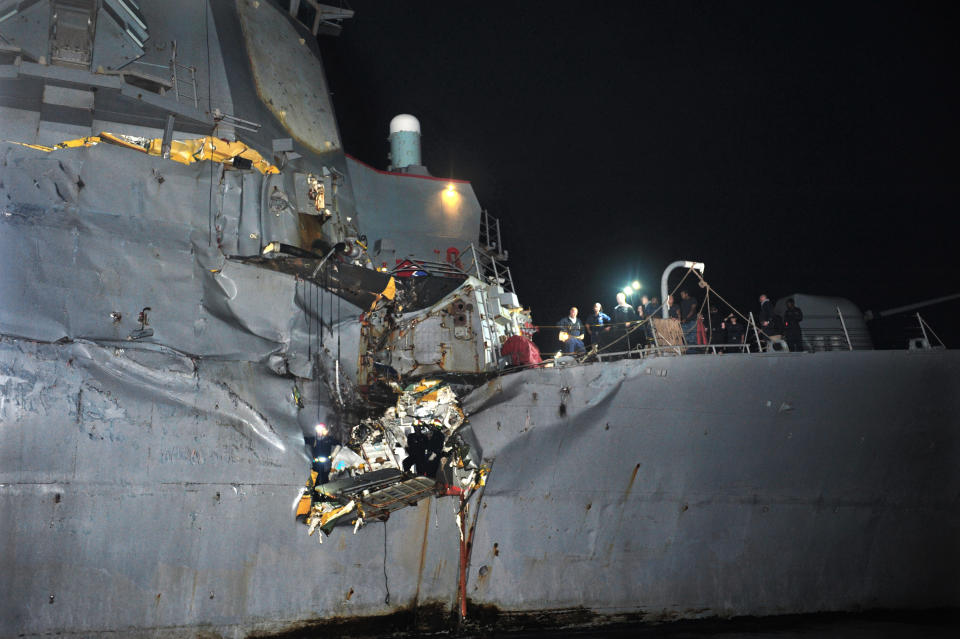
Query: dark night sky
[{"x": 792, "y": 146}]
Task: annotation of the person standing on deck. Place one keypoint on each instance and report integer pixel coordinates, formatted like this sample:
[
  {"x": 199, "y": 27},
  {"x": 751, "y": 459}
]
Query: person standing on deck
[
  {"x": 650, "y": 307},
  {"x": 673, "y": 311},
  {"x": 734, "y": 332},
  {"x": 640, "y": 334},
  {"x": 791, "y": 327},
  {"x": 688, "y": 319},
  {"x": 716, "y": 332},
  {"x": 571, "y": 326},
  {"x": 597, "y": 326},
  {"x": 623, "y": 316},
  {"x": 769, "y": 321}
]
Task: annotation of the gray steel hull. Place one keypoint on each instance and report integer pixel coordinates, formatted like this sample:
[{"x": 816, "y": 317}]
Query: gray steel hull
[
  {"x": 147, "y": 482},
  {"x": 733, "y": 485}
]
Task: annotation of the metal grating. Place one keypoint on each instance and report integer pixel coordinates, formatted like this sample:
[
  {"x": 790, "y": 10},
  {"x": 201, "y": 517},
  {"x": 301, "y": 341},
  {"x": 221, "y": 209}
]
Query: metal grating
[{"x": 396, "y": 496}]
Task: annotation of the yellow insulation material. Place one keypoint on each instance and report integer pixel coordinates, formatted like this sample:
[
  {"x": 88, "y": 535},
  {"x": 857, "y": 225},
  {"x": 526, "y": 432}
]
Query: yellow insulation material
[
  {"x": 72, "y": 144},
  {"x": 390, "y": 291},
  {"x": 182, "y": 151},
  {"x": 37, "y": 147},
  {"x": 210, "y": 148}
]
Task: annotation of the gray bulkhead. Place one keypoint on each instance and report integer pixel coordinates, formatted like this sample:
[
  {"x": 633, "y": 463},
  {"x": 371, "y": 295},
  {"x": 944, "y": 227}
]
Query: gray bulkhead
[{"x": 406, "y": 215}]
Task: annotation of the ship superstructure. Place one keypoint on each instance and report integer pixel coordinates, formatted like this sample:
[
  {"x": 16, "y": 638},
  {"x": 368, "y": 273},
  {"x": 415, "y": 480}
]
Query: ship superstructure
[{"x": 193, "y": 274}]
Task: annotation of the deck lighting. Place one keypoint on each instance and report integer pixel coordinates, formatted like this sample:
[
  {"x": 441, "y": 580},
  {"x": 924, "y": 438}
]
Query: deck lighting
[{"x": 451, "y": 198}]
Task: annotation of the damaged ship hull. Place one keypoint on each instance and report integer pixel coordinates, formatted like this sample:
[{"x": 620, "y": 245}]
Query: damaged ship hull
[
  {"x": 161, "y": 363},
  {"x": 703, "y": 486},
  {"x": 612, "y": 490}
]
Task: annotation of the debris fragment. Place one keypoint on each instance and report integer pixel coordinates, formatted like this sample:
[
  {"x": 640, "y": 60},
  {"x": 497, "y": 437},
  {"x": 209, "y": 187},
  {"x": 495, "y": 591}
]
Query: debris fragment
[
  {"x": 418, "y": 448},
  {"x": 208, "y": 147}
]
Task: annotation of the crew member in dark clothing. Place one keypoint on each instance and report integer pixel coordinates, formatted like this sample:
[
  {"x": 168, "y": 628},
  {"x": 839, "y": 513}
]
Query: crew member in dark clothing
[
  {"x": 734, "y": 332},
  {"x": 638, "y": 337},
  {"x": 424, "y": 448},
  {"x": 688, "y": 319},
  {"x": 598, "y": 326},
  {"x": 650, "y": 308},
  {"x": 766, "y": 315},
  {"x": 574, "y": 330},
  {"x": 320, "y": 448},
  {"x": 623, "y": 317},
  {"x": 791, "y": 326},
  {"x": 769, "y": 321},
  {"x": 673, "y": 311},
  {"x": 717, "y": 334}
]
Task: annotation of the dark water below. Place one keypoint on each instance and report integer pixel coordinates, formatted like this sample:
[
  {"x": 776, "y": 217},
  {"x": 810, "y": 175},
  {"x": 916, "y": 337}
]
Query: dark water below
[
  {"x": 938, "y": 624},
  {"x": 928, "y": 625}
]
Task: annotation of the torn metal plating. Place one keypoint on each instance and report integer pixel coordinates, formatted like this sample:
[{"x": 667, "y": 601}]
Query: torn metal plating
[
  {"x": 460, "y": 333},
  {"x": 418, "y": 448},
  {"x": 357, "y": 285}
]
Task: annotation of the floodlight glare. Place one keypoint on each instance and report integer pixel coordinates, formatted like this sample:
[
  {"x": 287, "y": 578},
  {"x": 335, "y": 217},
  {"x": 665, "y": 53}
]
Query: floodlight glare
[
  {"x": 636, "y": 285},
  {"x": 627, "y": 290}
]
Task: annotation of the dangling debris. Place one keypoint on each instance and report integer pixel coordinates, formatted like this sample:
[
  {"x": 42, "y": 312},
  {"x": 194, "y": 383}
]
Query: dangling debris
[
  {"x": 418, "y": 448},
  {"x": 189, "y": 151}
]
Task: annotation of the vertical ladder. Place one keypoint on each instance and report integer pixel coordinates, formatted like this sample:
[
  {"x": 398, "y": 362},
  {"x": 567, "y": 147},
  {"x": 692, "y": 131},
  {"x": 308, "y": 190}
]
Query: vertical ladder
[{"x": 184, "y": 79}]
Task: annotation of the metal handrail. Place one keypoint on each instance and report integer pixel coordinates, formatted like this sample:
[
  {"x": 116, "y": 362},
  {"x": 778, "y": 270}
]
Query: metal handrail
[
  {"x": 487, "y": 267},
  {"x": 433, "y": 268}
]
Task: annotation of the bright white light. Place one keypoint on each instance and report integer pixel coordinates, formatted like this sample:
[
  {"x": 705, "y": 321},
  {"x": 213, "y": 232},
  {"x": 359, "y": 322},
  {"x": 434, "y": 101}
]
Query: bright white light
[
  {"x": 321, "y": 429},
  {"x": 627, "y": 290},
  {"x": 636, "y": 285},
  {"x": 451, "y": 197}
]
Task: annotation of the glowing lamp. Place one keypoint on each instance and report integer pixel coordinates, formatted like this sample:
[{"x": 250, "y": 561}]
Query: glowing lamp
[
  {"x": 563, "y": 336},
  {"x": 451, "y": 198},
  {"x": 636, "y": 285},
  {"x": 627, "y": 290}
]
